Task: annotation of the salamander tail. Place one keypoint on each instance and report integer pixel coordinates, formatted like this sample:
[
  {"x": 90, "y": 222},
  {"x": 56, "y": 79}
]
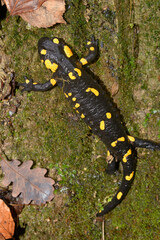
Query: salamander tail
[{"x": 129, "y": 167}]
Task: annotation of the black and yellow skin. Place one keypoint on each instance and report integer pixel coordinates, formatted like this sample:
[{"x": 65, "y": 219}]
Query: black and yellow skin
[{"x": 93, "y": 104}]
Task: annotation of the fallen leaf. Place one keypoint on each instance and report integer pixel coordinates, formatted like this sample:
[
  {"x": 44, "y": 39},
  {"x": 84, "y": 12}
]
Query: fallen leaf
[
  {"x": 30, "y": 183},
  {"x": 50, "y": 13},
  {"x": 16, "y": 7},
  {"x": 15, "y": 203},
  {"x": 7, "y": 224},
  {"x": 2, "y": 237}
]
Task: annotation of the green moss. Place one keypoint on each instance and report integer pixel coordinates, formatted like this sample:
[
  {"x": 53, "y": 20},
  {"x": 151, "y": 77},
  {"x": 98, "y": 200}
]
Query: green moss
[{"x": 46, "y": 129}]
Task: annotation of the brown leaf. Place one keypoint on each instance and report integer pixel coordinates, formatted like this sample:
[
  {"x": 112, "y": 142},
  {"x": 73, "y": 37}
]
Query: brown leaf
[
  {"x": 31, "y": 183},
  {"x": 16, "y": 7},
  {"x": 1, "y": 237},
  {"x": 15, "y": 203},
  {"x": 7, "y": 224},
  {"x": 47, "y": 15}
]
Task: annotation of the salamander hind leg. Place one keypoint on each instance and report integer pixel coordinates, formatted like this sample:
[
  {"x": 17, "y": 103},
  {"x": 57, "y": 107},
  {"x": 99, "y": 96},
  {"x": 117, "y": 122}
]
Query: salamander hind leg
[
  {"x": 113, "y": 165},
  {"x": 143, "y": 143}
]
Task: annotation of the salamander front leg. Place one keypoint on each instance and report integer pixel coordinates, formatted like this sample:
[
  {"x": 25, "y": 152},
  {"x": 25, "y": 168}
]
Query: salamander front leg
[
  {"x": 30, "y": 85},
  {"x": 92, "y": 45}
]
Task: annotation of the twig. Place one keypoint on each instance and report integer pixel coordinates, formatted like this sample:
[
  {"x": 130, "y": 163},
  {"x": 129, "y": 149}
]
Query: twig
[{"x": 103, "y": 230}]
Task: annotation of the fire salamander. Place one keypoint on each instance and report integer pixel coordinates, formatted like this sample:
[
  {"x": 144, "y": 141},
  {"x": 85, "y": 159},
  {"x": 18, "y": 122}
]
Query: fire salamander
[{"x": 93, "y": 105}]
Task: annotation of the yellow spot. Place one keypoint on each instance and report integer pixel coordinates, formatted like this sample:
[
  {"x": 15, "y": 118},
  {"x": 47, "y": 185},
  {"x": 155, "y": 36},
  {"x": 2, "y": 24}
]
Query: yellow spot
[
  {"x": 83, "y": 61},
  {"x": 121, "y": 139},
  {"x": 132, "y": 139},
  {"x": 53, "y": 81},
  {"x": 43, "y": 52},
  {"x": 108, "y": 115},
  {"x": 66, "y": 95},
  {"x": 74, "y": 99},
  {"x": 113, "y": 144},
  {"x": 129, "y": 152},
  {"x": 34, "y": 83},
  {"x": 102, "y": 125},
  {"x": 78, "y": 71},
  {"x": 82, "y": 115},
  {"x": 68, "y": 51},
  {"x": 70, "y": 94},
  {"x": 77, "y": 105},
  {"x": 128, "y": 178},
  {"x": 89, "y": 42},
  {"x": 55, "y": 40},
  {"x": 77, "y": 111},
  {"x": 27, "y": 81},
  {"x": 70, "y": 74},
  {"x": 119, "y": 195},
  {"x": 48, "y": 63},
  {"x": 93, "y": 90},
  {"x": 108, "y": 153},
  {"x": 91, "y": 48},
  {"x": 52, "y": 66},
  {"x": 42, "y": 60}
]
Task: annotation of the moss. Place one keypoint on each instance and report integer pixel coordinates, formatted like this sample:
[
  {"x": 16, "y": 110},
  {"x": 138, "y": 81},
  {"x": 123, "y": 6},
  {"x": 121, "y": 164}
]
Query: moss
[{"x": 46, "y": 129}]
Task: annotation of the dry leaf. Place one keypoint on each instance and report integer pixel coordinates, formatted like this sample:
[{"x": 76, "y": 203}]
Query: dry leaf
[
  {"x": 16, "y": 7},
  {"x": 1, "y": 237},
  {"x": 7, "y": 224},
  {"x": 16, "y": 203},
  {"x": 47, "y": 15},
  {"x": 31, "y": 183}
]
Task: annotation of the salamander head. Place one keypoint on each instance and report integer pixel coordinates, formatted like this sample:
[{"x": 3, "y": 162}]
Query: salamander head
[
  {"x": 50, "y": 49},
  {"x": 53, "y": 49}
]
